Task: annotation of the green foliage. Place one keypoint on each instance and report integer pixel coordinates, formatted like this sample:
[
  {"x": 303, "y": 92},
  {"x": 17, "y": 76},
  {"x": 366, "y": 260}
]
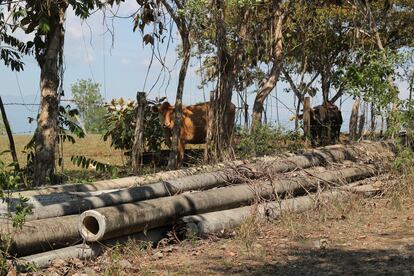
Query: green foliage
[
  {"x": 90, "y": 102},
  {"x": 317, "y": 41},
  {"x": 368, "y": 76},
  {"x": 265, "y": 140},
  {"x": 120, "y": 122},
  {"x": 11, "y": 48},
  {"x": 404, "y": 162},
  {"x": 9, "y": 181},
  {"x": 67, "y": 129},
  {"x": 402, "y": 119},
  {"x": 371, "y": 76},
  {"x": 67, "y": 125},
  {"x": 85, "y": 163}
]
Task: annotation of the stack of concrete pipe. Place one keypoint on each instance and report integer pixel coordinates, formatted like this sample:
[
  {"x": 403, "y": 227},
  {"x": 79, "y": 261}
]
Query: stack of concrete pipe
[{"x": 216, "y": 199}]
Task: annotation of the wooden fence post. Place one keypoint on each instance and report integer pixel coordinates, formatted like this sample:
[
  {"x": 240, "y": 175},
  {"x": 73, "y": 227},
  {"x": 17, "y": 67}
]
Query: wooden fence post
[
  {"x": 10, "y": 136},
  {"x": 138, "y": 145},
  {"x": 306, "y": 117}
]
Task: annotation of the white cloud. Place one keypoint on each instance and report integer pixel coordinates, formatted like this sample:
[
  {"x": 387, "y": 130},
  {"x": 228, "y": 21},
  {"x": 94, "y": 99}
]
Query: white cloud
[
  {"x": 73, "y": 26},
  {"x": 126, "y": 8},
  {"x": 89, "y": 58},
  {"x": 74, "y": 32},
  {"x": 125, "y": 61}
]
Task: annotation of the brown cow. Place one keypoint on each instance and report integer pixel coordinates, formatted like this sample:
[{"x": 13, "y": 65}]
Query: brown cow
[
  {"x": 325, "y": 123},
  {"x": 194, "y": 124}
]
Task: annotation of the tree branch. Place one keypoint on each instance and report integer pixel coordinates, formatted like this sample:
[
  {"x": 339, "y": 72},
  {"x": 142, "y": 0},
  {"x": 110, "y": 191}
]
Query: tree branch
[{"x": 292, "y": 84}]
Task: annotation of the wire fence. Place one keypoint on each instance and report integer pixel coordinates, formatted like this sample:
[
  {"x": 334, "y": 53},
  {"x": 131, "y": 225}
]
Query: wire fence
[{"x": 277, "y": 112}]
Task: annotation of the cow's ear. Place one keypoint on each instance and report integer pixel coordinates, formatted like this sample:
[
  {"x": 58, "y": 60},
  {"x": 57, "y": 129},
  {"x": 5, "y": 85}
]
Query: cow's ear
[{"x": 155, "y": 109}]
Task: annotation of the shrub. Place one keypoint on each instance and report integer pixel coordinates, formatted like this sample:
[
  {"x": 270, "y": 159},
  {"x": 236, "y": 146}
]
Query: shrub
[
  {"x": 264, "y": 140},
  {"x": 10, "y": 180},
  {"x": 120, "y": 122}
]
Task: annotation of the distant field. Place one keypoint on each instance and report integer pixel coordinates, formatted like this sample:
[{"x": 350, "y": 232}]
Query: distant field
[{"x": 91, "y": 146}]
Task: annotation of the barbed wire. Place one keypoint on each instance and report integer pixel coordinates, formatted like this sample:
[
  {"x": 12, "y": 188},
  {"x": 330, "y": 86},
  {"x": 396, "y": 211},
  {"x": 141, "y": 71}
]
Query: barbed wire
[
  {"x": 22, "y": 104},
  {"x": 37, "y": 104},
  {"x": 23, "y": 132}
]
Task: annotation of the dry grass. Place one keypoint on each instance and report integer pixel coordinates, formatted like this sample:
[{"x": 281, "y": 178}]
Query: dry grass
[
  {"x": 358, "y": 236},
  {"x": 91, "y": 146}
]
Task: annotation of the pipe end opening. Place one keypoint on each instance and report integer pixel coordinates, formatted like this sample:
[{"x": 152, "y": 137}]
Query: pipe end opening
[{"x": 91, "y": 224}]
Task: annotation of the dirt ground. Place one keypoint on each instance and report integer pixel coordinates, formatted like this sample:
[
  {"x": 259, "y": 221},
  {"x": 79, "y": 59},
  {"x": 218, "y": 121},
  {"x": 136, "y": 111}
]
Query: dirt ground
[{"x": 372, "y": 236}]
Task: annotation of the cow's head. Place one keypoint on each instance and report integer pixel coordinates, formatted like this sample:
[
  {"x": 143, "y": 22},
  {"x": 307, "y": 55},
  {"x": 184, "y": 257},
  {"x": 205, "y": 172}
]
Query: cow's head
[{"x": 166, "y": 114}]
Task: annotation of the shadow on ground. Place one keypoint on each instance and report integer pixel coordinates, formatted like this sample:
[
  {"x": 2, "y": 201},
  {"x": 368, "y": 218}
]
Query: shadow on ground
[{"x": 299, "y": 261}]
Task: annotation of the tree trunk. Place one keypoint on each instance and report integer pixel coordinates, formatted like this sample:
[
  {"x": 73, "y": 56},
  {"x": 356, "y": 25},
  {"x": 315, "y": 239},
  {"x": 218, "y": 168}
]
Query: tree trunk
[
  {"x": 10, "y": 136},
  {"x": 411, "y": 87},
  {"x": 353, "y": 122},
  {"x": 138, "y": 145},
  {"x": 362, "y": 119},
  {"x": 218, "y": 145},
  {"x": 46, "y": 132},
  {"x": 373, "y": 119},
  {"x": 263, "y": 93},
  {"x": 297, "y": 114},
  {"x": 337, "y": 96},
  {"x": 307, "y": 118},
  {"x": 177, "y": 149},
  {"x": 325, "y": 87},
  {"x": 246, "y": 116}
]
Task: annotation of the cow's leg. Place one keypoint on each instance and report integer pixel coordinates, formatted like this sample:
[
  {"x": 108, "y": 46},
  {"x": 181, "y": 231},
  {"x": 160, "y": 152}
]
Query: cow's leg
[
  {"x": 168, "y": 140},
  {"x": 314, "y": 135}
]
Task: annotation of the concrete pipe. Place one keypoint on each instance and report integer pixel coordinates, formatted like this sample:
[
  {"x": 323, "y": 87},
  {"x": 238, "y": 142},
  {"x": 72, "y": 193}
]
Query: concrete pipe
[
  {"x": 110, "y": 222},
  {"x": 87, "y": 251},
  {"x": 207, "y": 180},
  {"x": 42, "y": 235},
  {"x": 348, "y": 152},
  {"x": 161, "y": 189},
  {"x": 226, "y": 220}
]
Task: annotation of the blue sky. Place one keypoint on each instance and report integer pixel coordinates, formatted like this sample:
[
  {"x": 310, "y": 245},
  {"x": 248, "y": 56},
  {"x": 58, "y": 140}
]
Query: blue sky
[{"x": 120, "y": 65}]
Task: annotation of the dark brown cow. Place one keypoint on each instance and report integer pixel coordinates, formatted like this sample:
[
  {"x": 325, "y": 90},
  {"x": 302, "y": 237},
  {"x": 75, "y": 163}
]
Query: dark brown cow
[
  {"x": 325, "y": 123},
  {"x": 194, "y": 123}
]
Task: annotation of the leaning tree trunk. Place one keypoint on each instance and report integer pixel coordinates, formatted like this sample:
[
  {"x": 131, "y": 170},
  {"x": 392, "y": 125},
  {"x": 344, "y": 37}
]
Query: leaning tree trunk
[
  {"x": 46, "y": 132},
  {"x": 176, "y": 158},
  {"x": 263, "y": 93},
  {"x": 177, "y": 148},
  {"x": 10, "y": 136},
  {"x": 353, "y": 122}
]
